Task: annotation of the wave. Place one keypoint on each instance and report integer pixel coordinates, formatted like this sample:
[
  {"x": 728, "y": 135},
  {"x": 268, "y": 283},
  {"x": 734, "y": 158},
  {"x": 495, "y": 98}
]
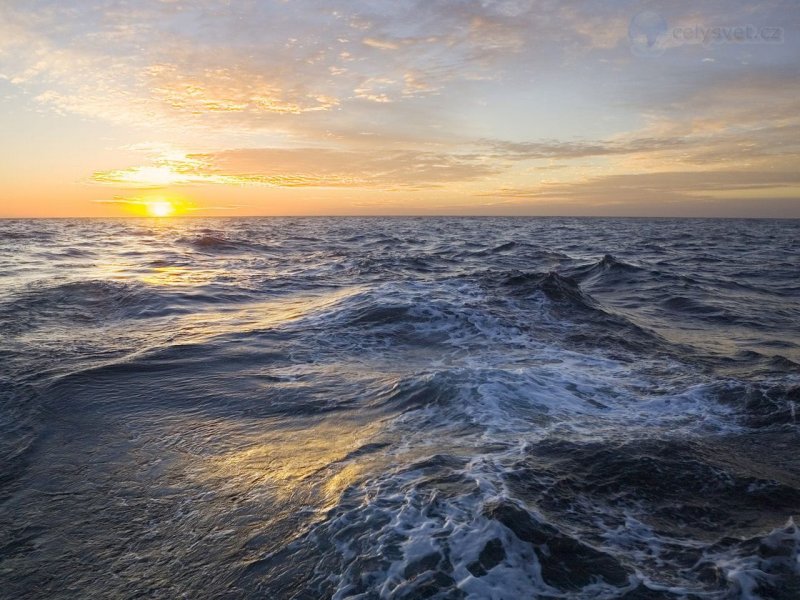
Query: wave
[
  {"x": 504, "y": 247},
  {"x": 84, "y": 302},
  {"x": 94, "y": 302},
  {"x": 69, "y": 252},
  {"x": 513, "y": 251},
  {"x": 682, "y": 304},
  {"x": 566, "y": 563},
  {"x": 556, "y": 287},
  {"x": 414, "y": 543},
  {"x": 446, "y": 525},
  {"x": 763, "y": 405},
  {"x": 577, "y": 316},
  {"x": 384, "y": 265},
  {"x": 499, "y": 249},
  {"x": 215, "y": 242},
  {"x": 20, "y": 427},
  {"x": 211, "y": 242},
  {"x": 610, "y": 270},
  {"x": 678, "y": 481}
]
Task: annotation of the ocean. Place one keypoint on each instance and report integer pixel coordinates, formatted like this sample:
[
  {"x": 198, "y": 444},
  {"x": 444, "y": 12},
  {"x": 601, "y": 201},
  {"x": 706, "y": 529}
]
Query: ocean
[{"x": 363, "y": 408}]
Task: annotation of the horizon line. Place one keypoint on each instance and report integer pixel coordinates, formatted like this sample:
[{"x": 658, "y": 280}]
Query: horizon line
[{"x": 399, "y": 216}]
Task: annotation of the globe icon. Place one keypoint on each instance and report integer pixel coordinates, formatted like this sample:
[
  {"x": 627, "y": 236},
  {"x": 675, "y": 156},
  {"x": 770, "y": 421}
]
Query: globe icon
[{"x": 647, "y": 32}]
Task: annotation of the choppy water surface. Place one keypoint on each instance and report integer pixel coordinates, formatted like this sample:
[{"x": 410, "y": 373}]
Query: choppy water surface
[{"x": 400, "y": 408}]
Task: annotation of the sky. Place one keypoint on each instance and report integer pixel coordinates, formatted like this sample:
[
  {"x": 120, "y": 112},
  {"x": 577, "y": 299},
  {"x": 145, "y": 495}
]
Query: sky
[{"x": 393, "y": 107}]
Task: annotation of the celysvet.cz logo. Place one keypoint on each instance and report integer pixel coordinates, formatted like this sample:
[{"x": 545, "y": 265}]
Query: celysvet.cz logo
[{"x": 651, "y": 35}]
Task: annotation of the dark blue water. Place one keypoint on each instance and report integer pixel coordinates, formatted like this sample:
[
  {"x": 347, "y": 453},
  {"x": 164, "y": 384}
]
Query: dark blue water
[{"x": 399, "y": 408}]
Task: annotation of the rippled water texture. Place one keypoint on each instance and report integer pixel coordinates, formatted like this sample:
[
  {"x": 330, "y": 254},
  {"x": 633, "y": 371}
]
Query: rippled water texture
[{"x": 399, "y": 408}]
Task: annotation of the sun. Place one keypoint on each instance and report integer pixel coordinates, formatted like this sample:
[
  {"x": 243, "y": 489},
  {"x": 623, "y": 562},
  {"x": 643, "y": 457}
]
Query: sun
[{"x": 160, "y": 208}]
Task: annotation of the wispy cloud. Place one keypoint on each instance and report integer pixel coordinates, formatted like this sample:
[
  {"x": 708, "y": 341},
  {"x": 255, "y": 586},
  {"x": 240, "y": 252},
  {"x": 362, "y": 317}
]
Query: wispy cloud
[
  {"x": 660, "y": 193},
  {"x": 302, "y": 167}
]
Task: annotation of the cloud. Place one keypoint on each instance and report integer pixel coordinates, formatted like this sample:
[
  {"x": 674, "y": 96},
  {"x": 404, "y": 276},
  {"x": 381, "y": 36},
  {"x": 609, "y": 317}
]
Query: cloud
[
  {"x": 579, "y": 149},
  {"x": 303, "y": 167},
  {"x": 224, "y": 89},
  {"x": 380, "y": 44},
  {"x": 659, "y": 188}
]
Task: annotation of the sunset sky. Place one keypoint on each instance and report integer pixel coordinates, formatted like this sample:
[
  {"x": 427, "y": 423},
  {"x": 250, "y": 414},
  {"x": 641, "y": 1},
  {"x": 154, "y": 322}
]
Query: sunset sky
[{"x": 296, "y": 107}]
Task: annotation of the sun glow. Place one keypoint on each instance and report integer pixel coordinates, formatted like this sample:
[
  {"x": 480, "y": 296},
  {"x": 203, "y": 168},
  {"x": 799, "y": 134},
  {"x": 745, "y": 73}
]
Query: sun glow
[{"x": 160, "y": 208}]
